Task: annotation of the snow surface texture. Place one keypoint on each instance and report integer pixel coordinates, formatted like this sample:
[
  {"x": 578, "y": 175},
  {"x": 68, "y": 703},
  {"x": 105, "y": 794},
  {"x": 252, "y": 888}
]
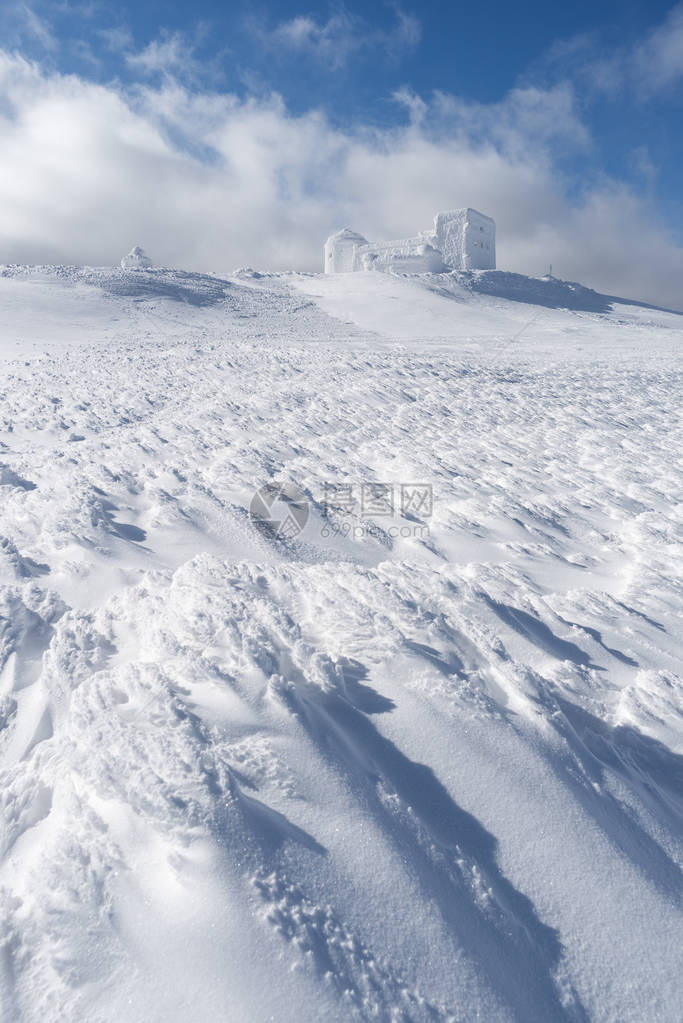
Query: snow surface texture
[
  {"x": 460, "y": 240},
  {"x": 368, "y": 775}
]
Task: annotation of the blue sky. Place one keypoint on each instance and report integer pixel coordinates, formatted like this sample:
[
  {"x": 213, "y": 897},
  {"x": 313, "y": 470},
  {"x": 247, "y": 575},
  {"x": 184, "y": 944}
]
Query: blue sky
[{"x": 584, "y": 99}]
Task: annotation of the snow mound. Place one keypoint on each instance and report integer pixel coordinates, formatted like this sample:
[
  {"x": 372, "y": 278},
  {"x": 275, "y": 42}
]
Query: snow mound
[
  {"x": 136, "y": 259},
  {"x": 178, "y": 285},
  {"x": 544, "y": 291}
]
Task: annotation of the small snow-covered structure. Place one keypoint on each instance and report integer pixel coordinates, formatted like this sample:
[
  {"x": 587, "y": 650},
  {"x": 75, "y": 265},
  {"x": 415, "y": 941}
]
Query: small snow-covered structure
[
  {"x": 340, "y": 251},
  {"x": 460, "y": 240},
  {"x": 137, "y": 259}
]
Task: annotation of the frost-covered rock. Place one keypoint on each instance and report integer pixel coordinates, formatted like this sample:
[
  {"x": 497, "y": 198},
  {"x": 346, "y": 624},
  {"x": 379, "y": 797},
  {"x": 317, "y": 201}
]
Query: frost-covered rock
[{"x": 137, "y": 259}]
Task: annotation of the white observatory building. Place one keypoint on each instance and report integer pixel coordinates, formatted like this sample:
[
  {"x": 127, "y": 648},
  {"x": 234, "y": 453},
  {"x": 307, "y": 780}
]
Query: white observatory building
[{"x": 460, "y": 240}]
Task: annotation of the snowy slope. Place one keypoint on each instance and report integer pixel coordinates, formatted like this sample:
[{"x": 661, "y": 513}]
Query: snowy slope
[{"x": 395, "y": 767}]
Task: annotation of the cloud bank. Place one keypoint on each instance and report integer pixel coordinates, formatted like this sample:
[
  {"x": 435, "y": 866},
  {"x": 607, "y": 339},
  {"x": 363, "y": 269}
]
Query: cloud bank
[{"x": 210, "y": 181}]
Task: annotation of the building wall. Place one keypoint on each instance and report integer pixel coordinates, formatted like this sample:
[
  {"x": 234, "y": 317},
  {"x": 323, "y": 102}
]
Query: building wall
[
  {"x": 340, "y": 251},
  {"x": 467, "y": 239},
  {"x": 410, "y": 255},
  {"x": 480, "y": 242},
  {"x": 449, "y": 237}
]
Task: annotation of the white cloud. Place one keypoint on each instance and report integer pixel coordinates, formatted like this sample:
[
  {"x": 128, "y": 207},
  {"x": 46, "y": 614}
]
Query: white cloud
[
  {"x": 22, "y": 24},
  {"x": 169, "y": 54},
  {"x": 526, "y": 116},
  {"x": 39, "y": 28},
  {"x": 643, "y": 70},
  {"x": 33, "y": 25},
  {"x": 118, "y": 39},
  {"x": 643, "y": 165},
  {"x": 209, "y": 181},
  {"x": 657, "y": 63},
  {"x": 331, "y": 43}
]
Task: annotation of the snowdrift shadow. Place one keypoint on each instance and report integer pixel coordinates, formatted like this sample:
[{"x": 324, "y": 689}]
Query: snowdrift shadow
[
  {"x": 242, "y": 820},
  {"x": 648, "y": 769},
  {"x": 9, "y": 478},
  {"x": 20, "y": 565},
  {"x": 26, "y": 636},
  {"x": 453, "y": 857},
  {"x": 596, "y": 635},
  {"x": 362, "y": 696},
  {"x": 450, "y": 665},
  {"x": 538, "y": 633},
  {"x": 271, "y": 827},
  {"x": 124, "y": 530}
]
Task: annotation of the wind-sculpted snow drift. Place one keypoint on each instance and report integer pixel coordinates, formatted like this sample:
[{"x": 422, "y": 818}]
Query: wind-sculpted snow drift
[{"x": 420, "y": 765}]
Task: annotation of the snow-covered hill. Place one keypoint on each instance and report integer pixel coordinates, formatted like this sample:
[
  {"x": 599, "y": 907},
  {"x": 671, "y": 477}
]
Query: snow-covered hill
[{"x": 417, "y": 756}]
